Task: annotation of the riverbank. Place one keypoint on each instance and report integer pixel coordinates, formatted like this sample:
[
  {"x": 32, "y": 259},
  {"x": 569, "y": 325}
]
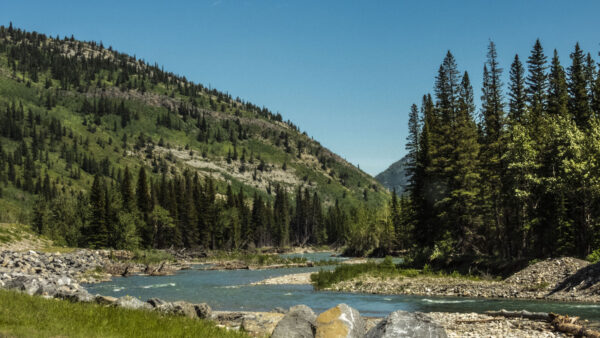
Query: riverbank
[
  {"x": 563, "y": 279},
  {"x": 58, "y": 275}
]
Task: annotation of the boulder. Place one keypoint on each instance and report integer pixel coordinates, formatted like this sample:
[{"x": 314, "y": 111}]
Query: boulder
[
  {"x": 407, "y": 324},
  {"x": 203, "y": 311},
  {"x": 184, "y": 309},
  {"x": 340, "y": 321},
  {"x": 129, "y": 302},
  {"x": 105, "y": 300},
  {"x": 77, "y": 295},
  {"x": 299, "y": 322},
  {"x": 260, "y": 323}
]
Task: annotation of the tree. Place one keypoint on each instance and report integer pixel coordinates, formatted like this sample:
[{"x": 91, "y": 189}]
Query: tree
[
  {"x": 579, "y": 104},
  {"x": 517, "y": 94},
  {"x": 537, "y": 80},
  {"x": 558, "y": 96},
  {"x": 97, "y": 232},
  {"x": 412, "y": 145}
]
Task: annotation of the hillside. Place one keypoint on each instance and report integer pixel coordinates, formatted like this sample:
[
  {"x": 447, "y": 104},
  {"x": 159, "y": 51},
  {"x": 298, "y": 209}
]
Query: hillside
[
  {"x": 71, "y": 111},
  {"x": 395, "y": 176}
]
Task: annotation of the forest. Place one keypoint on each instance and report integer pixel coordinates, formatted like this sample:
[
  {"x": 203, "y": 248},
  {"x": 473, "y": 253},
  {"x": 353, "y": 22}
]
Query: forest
[{"x": 518, "y": 177}]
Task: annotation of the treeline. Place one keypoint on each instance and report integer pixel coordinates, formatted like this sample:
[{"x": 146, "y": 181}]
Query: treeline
[
  {"x": 185, "y": 211},
  {"x": 519, "y": 179}
]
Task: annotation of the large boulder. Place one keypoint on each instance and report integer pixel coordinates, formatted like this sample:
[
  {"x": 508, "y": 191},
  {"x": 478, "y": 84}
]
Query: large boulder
[
  {"x": 299, "y": 322},
  {"x": 407, "y": 324},
  {"x": 129, "y": 302},
  {"x": 156, "y": 302},
  {"x": 203, "y": 311},
  {"x": 340, "y": 321}
]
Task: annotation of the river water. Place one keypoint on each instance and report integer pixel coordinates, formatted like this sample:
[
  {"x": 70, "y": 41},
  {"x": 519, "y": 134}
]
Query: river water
[{"x": 230, "y": 290}]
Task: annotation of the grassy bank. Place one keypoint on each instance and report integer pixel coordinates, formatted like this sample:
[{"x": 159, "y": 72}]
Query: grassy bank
[
  {"x": 26, "y": 316},
  {"x": 324, "y": 279}
]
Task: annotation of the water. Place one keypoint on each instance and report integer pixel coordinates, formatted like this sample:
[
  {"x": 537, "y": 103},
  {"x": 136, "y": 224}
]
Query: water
[
  {"x": 315, "y": 256},
  {"x": 229, "y": 290}
]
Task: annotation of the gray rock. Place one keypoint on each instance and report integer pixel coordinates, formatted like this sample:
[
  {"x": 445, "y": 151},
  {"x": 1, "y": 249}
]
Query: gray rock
[
  {"x": 129, "y": 302},
  {"x": 299, "y": 322},
  {"x": 156, "y": 302},
  {"x": 105, "y": 300},
  {"x": 340, "y": 321},
  {"x": 407, "y": 324},
  {"x": 203, "y": 311},
  {"x": 184, "y": 309}
]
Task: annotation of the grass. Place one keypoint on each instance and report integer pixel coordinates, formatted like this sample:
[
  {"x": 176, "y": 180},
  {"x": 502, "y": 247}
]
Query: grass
[
  {"x": 28, "y": 316},
  {"x": 148, "y": 257},
  {"x": 386, "y": 269}
]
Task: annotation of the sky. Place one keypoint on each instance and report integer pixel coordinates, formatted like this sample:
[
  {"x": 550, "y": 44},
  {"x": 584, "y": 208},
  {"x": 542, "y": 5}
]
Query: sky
[{"x": 346, "y": 72}]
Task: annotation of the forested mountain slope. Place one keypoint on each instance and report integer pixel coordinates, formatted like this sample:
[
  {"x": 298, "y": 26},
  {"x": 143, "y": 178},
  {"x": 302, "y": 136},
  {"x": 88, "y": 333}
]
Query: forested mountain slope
[{"x": 99, "y": 148}]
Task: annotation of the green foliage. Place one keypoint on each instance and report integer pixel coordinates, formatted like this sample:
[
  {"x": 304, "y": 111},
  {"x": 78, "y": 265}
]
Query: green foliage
[
  {"x": 594, "y": 257},
  {"x": 31, "y": 316}
]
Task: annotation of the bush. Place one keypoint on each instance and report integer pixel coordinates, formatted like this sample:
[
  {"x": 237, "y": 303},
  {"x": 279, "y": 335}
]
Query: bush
[{"x": 594, "y": 257}]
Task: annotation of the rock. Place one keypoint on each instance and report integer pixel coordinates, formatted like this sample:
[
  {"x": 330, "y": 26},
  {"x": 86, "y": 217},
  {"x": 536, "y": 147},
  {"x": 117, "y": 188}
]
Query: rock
[
  {"x": 129, "y": 302},
  {"x": 407, "y": 324},
  {"x": 156, "y": 302},
  {"x": 279, "y": 310},
  {"x": 340, "y": 321},
  {"x": 105, "y": 300},
  {"x": 203, "y": 311},
  {"x": 261, "y": 323},
  {"x": 299, "y": 322},
  {"x": 74, "y": 296},
  {"x": 184, "y": 309}
]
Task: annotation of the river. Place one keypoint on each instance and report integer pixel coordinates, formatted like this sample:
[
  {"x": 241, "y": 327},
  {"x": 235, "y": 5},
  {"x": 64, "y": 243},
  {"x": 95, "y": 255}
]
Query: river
[{"x": 230, "y": 290}]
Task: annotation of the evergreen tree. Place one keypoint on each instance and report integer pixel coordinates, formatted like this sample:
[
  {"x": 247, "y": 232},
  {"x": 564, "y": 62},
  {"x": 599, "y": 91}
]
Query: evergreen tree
[
  {"x": 517, "y": 94},
  {"x": 558, "y": 96},
  {"x": 537, "y": 83},
  {"x": 579, "y": 104}
]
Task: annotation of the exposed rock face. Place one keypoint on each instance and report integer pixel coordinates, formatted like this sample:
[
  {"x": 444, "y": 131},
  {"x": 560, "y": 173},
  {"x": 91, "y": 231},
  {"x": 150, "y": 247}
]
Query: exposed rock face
[
  {"x": 340, "y": 321},
  {"x": 299, "y": 322},
  {"x": 407, "y": 324}
]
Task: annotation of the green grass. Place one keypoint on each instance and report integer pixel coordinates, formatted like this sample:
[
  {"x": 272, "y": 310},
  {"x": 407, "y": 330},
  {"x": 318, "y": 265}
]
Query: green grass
[
  {"x": 26, "y": 316},
  {"x": 152, "y": 256},
  {"x": 386, "y": 269}
]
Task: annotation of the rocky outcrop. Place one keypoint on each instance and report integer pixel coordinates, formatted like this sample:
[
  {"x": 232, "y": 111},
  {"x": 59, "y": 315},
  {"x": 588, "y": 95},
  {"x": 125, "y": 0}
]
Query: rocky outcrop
[
  {"x": 407, "y": 324},
  {"x": 299, "y": 322},
  {"x": 340, "y": 321}
]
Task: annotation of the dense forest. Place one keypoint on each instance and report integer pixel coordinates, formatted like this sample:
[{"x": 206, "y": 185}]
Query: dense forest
[
  {"x": 518, "y": 178},
  {"x": 100, "y": 149}
]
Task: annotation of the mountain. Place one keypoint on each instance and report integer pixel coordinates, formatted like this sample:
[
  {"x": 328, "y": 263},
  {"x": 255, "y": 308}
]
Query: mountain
[
  {"x": 395, "y": 176},
  {"x": 74, "y": 111}
]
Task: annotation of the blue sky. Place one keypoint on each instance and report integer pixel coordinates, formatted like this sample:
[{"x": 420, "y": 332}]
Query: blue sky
[{"x": 346, "y": 71}]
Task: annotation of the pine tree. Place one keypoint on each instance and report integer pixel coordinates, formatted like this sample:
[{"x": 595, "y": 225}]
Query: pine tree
[
  {"x": 579, "y": 104},
  {"x": 127, "y": 191},
  {"x": 142, "y": 192},
  {"x": 412, "y": 146},
  {"x": 97, "y": 233},
  {"x": 492, "y": 146},
  {"x": 558, "y": 95},
  {"x": 537, "y": 80},
  {"x": 518, "y": 97}
]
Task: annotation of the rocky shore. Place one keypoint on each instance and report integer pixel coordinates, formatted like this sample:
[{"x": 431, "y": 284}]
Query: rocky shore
[{"x": 562, "y": 279}]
